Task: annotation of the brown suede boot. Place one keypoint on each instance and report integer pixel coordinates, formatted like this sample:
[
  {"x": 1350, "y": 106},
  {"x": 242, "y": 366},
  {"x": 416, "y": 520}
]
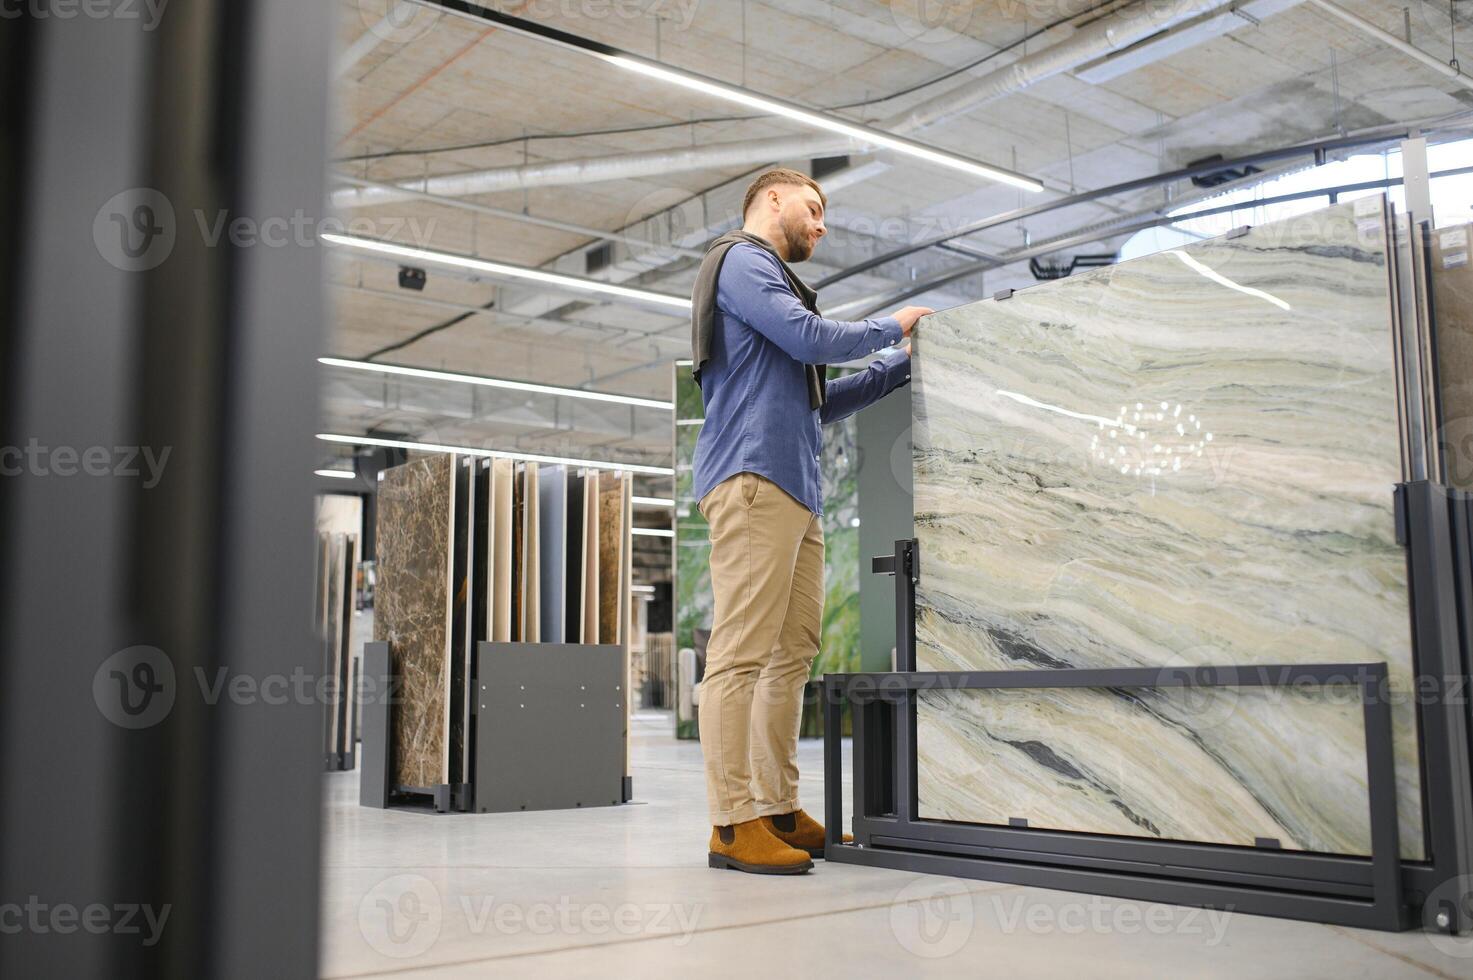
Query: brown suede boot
[
  {"x": 798, "y": 829},
  {"x": 750, "y": 847}
]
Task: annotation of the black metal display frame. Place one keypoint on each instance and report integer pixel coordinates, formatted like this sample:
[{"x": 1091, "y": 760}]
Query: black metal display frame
[
  {"x": 1378, "y": 892},
  {"x": 381, "y": 694}
]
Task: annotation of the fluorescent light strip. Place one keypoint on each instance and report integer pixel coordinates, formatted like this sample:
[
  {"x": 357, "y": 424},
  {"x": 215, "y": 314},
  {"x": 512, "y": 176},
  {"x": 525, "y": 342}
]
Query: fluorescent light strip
[
  {"x": 336, "y": 474},
  {"x": 642, "y": 588},
  {"x": 431, "y": 447},
  {"x": 413, "y": 372},
  {"x": 514, "y": 271},
  {"x": 652, "y": 532},
  {"x": 817, "y": 120},
  {"x": 652, "y": 502}
]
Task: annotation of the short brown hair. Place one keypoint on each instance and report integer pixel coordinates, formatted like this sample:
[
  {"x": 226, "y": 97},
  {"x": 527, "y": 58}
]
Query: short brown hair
[{"x": 779, "y": 176}]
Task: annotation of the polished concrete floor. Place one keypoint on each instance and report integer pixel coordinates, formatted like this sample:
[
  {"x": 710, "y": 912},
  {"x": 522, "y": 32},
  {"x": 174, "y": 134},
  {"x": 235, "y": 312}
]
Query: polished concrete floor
[{"x": 626, "y": 891}]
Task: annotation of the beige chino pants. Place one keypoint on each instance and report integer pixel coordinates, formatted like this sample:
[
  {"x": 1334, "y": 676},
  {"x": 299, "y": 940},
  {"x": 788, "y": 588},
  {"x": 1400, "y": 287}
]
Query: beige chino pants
[{"x": 767, "y": 579}]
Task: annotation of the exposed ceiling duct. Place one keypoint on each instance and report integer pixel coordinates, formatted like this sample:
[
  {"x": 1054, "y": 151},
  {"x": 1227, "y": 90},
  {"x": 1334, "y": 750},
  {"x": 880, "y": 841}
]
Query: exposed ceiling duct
[{"x": 1103, "y": 36}]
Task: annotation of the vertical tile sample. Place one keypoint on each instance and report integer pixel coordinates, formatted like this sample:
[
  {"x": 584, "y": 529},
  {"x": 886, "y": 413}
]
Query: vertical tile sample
[
  {"x": 573, "y": 596},
  {"x": 412, "y": 611},
  {"x": 332, "y": 633},
  {"x": 626, "y": 552},
  {"x": 346, "y": 666},
  {"x": 531, "y": 557},
  {"x": 461, "y": 585},
  {"x": 626, "y": 603},
  {"x": 345, "y": 547},
  {"x": 552, "y": 541},
  {"x": 518, "y": 528},
  {"x": 1452, "y": 330},
  {"x": 591, "y": 517},
  {"x": 1184, "y": 459},
  {"x": 320, "y": 604},
  {"x": 500, "y": 549},
  {"x": 610, "y": 558}
]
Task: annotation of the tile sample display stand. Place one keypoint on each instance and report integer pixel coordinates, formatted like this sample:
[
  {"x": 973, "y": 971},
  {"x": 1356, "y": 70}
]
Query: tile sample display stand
[
  {"x": 1378, "y": 891},
  {"x": 375, "y": 696},
  {"x": 550, "y": 727}
]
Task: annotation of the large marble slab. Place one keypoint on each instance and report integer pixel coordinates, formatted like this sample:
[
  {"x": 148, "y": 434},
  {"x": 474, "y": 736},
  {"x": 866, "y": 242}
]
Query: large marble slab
[
  {"x": 413, "y": 609},
  {"x": 1452, "y": 320},
  {"x": 1188, "y": 458}
]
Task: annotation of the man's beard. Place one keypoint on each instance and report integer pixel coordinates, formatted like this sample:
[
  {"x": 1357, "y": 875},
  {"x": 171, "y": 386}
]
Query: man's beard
[{"x": 800, "y": 246}]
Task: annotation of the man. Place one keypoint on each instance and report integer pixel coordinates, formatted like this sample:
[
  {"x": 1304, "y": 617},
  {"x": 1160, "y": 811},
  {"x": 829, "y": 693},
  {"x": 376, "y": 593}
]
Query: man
[{"x": 760, "y": 348}]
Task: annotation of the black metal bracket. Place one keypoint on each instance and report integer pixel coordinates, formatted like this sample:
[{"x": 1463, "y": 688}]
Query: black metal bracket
[
  {"x": 907, "y": 559},
  {"x": 888, "y": 831},
  {"x": 1436, "y": 526}
]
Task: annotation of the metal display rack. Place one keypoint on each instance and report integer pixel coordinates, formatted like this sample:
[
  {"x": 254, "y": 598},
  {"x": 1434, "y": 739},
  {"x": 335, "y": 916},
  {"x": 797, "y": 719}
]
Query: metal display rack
[
  {"x": 1378, "y": 892},
  {"x": 546, "y": 729}
]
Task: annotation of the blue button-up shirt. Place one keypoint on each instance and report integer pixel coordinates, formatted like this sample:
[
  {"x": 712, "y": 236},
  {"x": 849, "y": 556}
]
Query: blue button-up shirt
[{"x": 754, "y": 386}]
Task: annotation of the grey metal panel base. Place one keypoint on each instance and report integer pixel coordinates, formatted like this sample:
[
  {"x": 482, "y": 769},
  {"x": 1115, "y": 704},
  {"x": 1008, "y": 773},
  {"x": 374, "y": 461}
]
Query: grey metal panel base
[
  {"x": 549, "y": 726},
  {"x": 376, "y": 691}
]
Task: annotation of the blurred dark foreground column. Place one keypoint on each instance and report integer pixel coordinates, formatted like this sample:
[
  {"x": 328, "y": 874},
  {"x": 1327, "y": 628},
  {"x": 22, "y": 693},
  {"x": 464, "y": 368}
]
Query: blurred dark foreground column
[{"x": 161, "y": 171}]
